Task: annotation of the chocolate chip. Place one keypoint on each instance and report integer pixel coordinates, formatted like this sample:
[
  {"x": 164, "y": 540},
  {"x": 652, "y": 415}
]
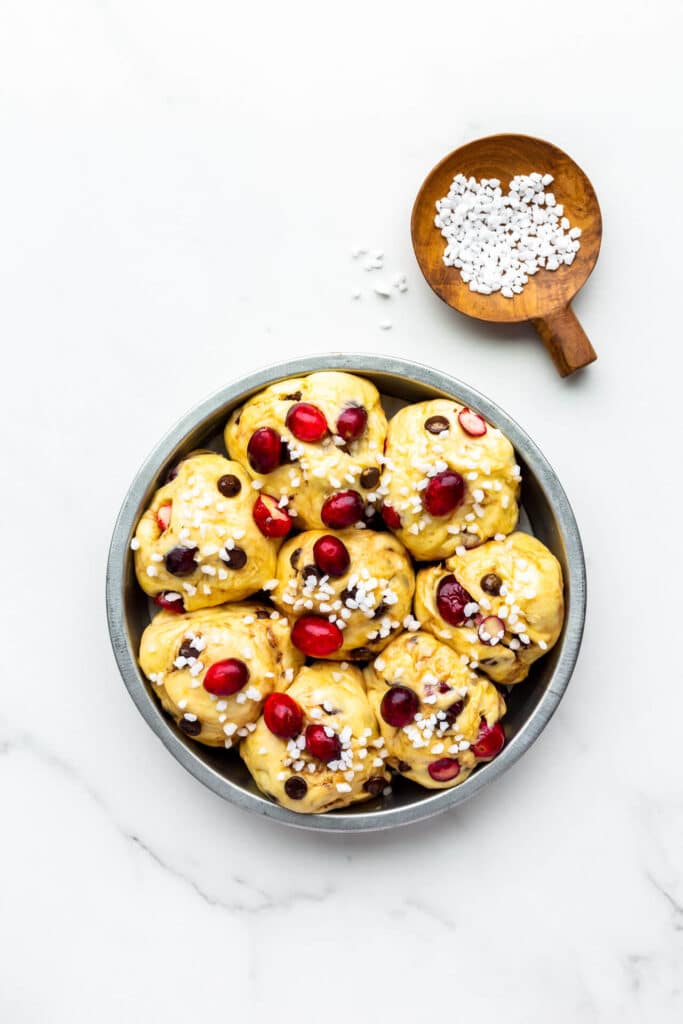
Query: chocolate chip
[
  {"x": 369, "y": 478},
  {"x": 380, "y": 610},
  {"x": 235, "y": 559},
  {"x": 261, "y": 613},
  {"x": 229, "y": 485},
  {"x": 311, "y": 570},
  {"x": 348, "y": 594},
  {"x": 296, "y": 788},
  {"x": 293, "y": 397},
  {"x": 190, "y": 728},
  {"x": 403, "y": 766},
  {"x": 362, "y": 653},
  {"x": 375, "y": 785},
  {"x": 187, "y": 649},
  {"x": 294, "y": 557},
  {"x": 285, "y": 454},
  {"x": 491, "y": 583},
  {"x": 436, "y": 424},
  {"x": 454, "y": 710},
  {"x": 180, "y": 561}
]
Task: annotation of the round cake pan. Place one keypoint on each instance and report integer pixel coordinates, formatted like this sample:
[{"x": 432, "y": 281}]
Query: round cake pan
[{"x": 545, "y": 511}]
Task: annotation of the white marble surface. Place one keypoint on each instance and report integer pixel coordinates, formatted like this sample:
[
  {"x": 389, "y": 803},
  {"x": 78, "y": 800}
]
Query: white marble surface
[{"x": 181, "y": 188}]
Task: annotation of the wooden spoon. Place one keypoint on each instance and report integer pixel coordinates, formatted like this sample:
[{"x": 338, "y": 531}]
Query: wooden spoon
[{"x": 545, "y": 300}]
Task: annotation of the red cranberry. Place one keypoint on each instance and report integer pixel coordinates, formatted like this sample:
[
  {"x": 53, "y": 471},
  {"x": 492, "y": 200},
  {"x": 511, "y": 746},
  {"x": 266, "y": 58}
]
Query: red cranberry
[
  {"x": 472, "y": 423},
  {"x": 271, "y": 520},
  {"x": 451, "y": 599},
  {"x": 283, "y": 715},
  {"x": 226, "y": 677},
  {"x": 264, "y": 450},
  {"x": 445, "y": 769},
  {"x": 490, "y": 741},
  {"x": 316, "y": 637},
  {"x": 180, "y": 561},
  {"x": 306, "y": 422},
  {"x": 352, "y": 422},
  {"x": 391, "y": 516},
  {"x": 319, "y": 744},
  {"x": 399, "y": 706},
  {"x": 331, "y": 555},
  {"x": 444, "y": 493},
  {"x": 170, "y": 602},
  {"x": 164, "y": 516},
  {"x": 491, "y": 630},
  {"x": 342, "y": 509}
]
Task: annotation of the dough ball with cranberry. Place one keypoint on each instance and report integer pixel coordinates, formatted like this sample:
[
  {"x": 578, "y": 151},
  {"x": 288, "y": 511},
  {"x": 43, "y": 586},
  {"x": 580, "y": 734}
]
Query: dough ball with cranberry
[
  {"x": 450, "y": 479},
  {"x": 439, "y": 719},
  {"x": 501, "y": 605},
  {"x": 201, "y": 541},
  {"x": 349, "y": 592},
  {"x": 314, "y": 443},
  {"x": 317, "y": 747},
  {"x": 212, "y": 669}
]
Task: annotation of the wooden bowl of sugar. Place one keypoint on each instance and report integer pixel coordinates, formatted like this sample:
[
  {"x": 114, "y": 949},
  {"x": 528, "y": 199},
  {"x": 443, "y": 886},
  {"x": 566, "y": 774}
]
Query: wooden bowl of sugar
[{"x": 515, "y": 253}]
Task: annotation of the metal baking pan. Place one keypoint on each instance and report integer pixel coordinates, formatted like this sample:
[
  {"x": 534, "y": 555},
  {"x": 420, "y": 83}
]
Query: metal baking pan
[{"x": 545, "y": 512}]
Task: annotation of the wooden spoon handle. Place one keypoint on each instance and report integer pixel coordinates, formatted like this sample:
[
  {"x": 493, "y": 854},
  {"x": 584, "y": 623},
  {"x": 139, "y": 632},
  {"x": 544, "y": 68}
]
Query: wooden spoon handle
[{"x": 565, "y": 339}]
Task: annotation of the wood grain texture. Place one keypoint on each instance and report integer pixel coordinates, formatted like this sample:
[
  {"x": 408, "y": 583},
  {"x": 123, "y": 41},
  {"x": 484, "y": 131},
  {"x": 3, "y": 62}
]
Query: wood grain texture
[{"x": 548, "y": 293}]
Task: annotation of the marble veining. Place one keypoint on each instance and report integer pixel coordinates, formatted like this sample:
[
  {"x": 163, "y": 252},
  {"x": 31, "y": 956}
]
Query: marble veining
[{"x": 181, "y": 192}]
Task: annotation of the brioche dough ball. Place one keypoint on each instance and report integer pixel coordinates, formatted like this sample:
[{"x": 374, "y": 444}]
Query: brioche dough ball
[
  {"x": 446, "y": 708},
  {"x": 310, "y": 472},
  {"x": 177, "y": 652},
  {"x": 370, "y": 601},
  {"x": 333, "y": 701},
  {"x": 198, "y": 538},
  {"x": 517, "y": 581},
  {"x": 426, "y": 442}
]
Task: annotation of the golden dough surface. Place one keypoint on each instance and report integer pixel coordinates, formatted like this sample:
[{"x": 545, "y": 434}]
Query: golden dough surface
[
  {"x": 217, "y": 527},
  {"x": 243, "y": 630},
  {"x": 319, "y": 469},
  {"x": 530, "y": 603},
  {"x": 487, "y": 464},
  {"x": 332, "y": 695},
  {"x": 370, "y": 602},
  {"x": 452, "y": 702}
]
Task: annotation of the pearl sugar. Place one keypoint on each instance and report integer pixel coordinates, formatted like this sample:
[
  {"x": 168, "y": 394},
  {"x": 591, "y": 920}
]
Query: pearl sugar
[{"x": 497, "y": 240}]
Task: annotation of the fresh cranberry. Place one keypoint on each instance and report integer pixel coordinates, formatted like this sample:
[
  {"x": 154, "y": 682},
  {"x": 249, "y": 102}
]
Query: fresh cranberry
[
  {"x": 391, "y": 516},
  {"x": 306, "y": 422},
  {"x": 319, "y": 744},
  {"x": 352, "y": 422},
  {"x": 164, "y": 516},
  {"x": 491, "y": 630},
  {"x": 331, "y": 555},
  {"x": 283, "y": 715},
  {"x": 342, "y": 509},
  {"x": 226, "y": 677},
  {"x": 451, "y": 599},
  {"x": 444, "y": 493},
  {"x": 180, "y": 561},
  {"x": 445, "y": 769},
  {"x": 472, "y": 423},
  {"x": 490, "y": 741},
  {"x": 316, "y": 637},
  {"x": 399, "y": 706},
  {"x": 170, "y": 602},
  {"x": 264, "y": 450},
  {"x": 271, "y": 520}
]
